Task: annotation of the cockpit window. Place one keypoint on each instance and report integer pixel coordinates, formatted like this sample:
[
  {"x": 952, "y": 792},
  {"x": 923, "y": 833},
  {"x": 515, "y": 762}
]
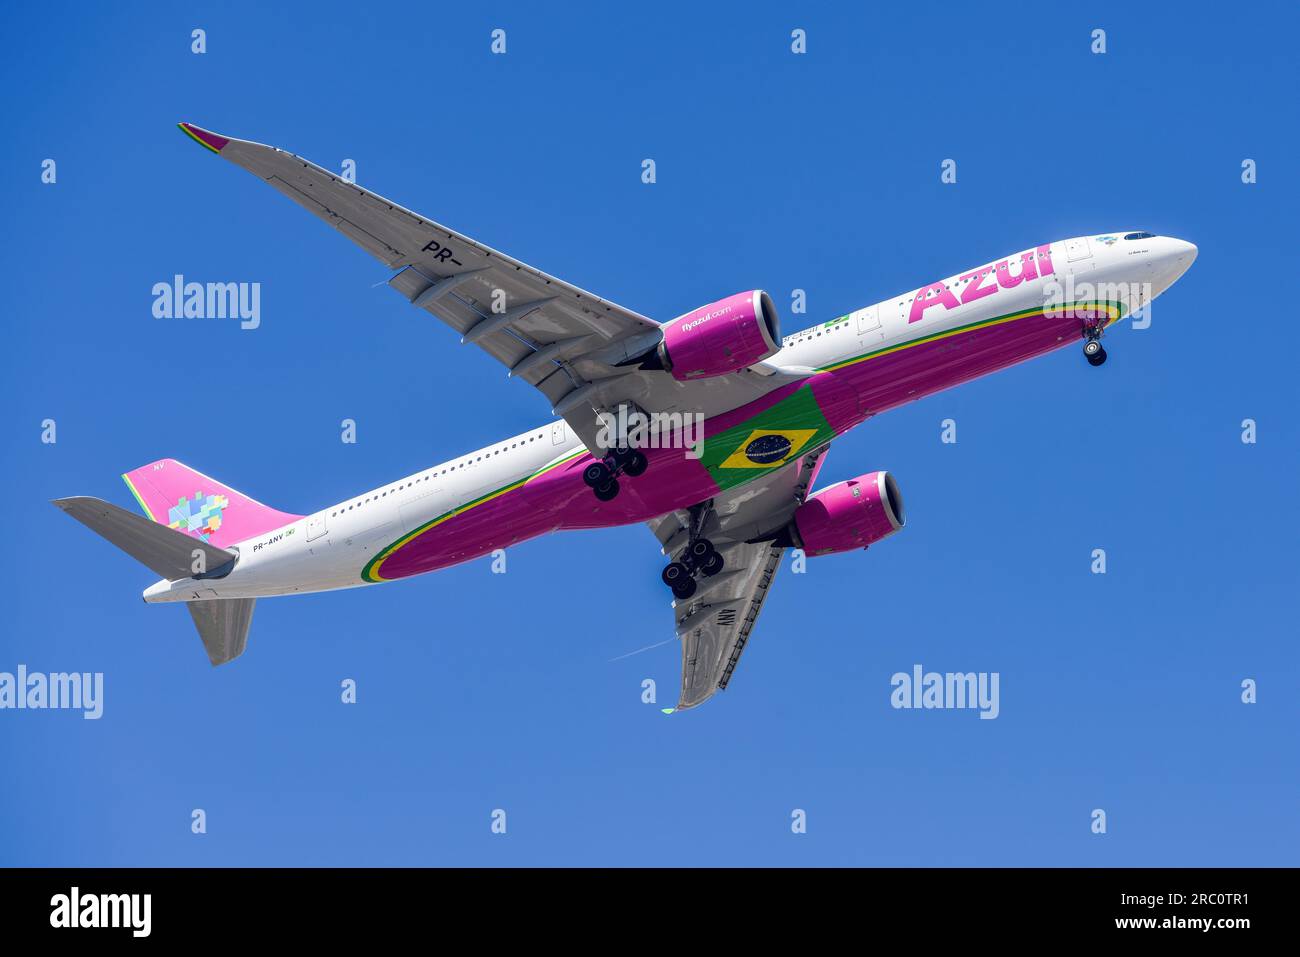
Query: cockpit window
[{"x": 1140, "y": 236}]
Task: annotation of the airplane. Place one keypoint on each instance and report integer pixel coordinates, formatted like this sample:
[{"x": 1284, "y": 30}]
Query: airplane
[{"x": 724, "y": 504}]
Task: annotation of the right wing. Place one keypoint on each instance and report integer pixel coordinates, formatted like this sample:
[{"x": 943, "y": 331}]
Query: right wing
[
  {"x": 715, "y": 623},
  {"x": 561, "y": 339}
]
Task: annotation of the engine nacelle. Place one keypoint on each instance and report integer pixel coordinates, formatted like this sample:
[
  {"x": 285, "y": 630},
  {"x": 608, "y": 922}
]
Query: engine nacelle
[
  {"x": 722, "y": 337},
  {"x": 848, "y": 516}
]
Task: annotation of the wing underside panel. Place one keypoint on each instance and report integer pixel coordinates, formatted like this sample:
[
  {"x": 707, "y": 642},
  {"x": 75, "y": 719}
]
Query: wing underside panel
[
  {"x": 715, "y": 624},
  {"x": 714, "y": 633}
]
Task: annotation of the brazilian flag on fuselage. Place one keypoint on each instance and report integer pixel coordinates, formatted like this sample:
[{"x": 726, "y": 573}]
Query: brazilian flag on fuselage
[{"x": 767, "y": 440}]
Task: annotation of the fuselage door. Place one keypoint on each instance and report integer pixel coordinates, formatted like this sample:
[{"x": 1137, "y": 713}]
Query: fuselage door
[
  {"x": 1077, "y": 249},
  {"x": 557, "y": 433},
  {"x": 868, "y": 320},
  {"x": 316, "y": 526}
]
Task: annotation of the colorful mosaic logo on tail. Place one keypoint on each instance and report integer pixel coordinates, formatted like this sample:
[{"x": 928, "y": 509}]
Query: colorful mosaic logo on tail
[
  {"x": 216, "y": 513},
  {"x": 200, "y": 515}
]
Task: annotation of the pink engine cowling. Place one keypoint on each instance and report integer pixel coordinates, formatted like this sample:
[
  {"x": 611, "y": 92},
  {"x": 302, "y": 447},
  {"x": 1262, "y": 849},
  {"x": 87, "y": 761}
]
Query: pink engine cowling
[
  {"x": 721, "y": 337},
  {"x": 850, "y": 515}
]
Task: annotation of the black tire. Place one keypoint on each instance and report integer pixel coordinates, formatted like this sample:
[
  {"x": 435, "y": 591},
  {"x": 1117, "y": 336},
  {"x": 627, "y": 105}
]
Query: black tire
[
  {"x": 597, "y": 474},
  {"x": 699, "y": 550},
  {"x": 1098, "y": 359},
  {"x": 712, "y": 564},
  {"x": 675, "y": 573},
  {"x": 685, "y": 589},
  {"x": 607, "y": 491},
  {"x": 1092, "y": 347},
  {"x": 636, "y": 463}
]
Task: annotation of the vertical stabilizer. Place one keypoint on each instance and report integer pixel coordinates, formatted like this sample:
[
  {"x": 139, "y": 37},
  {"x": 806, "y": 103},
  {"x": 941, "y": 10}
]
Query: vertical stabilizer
[{"x": 173, "y": 494}]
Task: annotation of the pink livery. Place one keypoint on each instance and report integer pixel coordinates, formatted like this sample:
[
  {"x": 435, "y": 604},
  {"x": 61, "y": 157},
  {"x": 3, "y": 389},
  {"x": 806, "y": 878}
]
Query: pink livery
[{"x": 848, "y": 516}]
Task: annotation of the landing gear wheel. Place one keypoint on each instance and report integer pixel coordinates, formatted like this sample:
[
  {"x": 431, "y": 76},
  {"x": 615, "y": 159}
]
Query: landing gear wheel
[
  {"x": 597, "y": 474},
  {"x": 674, "y": 574},
  {"x": 1097, "y": 358},
  {"x": 711, "y": 565},
  {"x": 685, "y": 588},
  {"x": 699, "y": 550},
  {"x": 636, "y": 463},
  {"x": 1092, "y": 347},
  {"x": 607, "y": 491}
]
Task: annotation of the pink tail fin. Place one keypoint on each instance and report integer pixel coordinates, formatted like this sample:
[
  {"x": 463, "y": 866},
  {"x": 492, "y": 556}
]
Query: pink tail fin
[{"x": 173, "y": 494}]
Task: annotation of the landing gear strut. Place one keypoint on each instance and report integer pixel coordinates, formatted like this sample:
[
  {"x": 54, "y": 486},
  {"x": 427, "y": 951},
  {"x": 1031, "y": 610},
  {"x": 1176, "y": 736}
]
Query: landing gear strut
[
  {"x": 698, "y": 558},
  {"x": 602, "y": 475}
]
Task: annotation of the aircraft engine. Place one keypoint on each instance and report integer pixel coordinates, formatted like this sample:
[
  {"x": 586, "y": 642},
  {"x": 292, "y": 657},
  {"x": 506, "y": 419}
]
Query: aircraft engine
[
  {"x": 847, "y": 516},
  {"x": 724, "y": 336}
]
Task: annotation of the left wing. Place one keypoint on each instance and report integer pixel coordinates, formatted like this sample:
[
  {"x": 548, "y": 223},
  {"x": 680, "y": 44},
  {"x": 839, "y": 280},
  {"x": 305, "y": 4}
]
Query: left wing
[{"x": 715, "y": 623}]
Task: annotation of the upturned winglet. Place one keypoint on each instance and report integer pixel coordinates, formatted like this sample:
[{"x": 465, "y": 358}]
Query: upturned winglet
[{"x": 204, "y": 138}]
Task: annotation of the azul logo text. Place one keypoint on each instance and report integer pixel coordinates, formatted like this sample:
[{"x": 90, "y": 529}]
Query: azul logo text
[{"x": 982, "y": 282}]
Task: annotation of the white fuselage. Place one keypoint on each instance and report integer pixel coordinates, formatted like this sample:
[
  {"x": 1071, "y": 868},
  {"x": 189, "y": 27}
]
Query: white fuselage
[{"x": 328, "y": 549}]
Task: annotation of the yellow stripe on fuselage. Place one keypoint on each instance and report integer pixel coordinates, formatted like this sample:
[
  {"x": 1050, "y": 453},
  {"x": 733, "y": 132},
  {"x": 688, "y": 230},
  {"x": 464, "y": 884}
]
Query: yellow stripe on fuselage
[
  {"x": 982, "y": 324},
  {"x": 372, "y": 574}
]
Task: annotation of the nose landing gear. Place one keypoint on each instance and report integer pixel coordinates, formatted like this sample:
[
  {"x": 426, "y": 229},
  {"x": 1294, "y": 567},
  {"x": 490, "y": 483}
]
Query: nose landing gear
[
  {"x": 1093, "y": 352},
  {"x": 1092, "y": 348}
]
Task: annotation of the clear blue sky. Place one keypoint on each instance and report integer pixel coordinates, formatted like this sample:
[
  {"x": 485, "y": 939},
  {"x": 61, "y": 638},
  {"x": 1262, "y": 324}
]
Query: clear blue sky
[{"x": 481, "y": 691}]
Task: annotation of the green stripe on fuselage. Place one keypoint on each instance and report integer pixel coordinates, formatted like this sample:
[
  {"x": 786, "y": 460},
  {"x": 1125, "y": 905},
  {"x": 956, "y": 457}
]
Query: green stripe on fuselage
[
  {"x": 369, "y": 574},
  {"x": 1117, "y": 305}
]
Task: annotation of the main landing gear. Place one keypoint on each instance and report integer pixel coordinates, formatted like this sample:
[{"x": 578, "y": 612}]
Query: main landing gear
[
  {"x": 602, "y": 475},
  {"x": 698, "y": 558},
  {"x": 1092, "y": 348}
]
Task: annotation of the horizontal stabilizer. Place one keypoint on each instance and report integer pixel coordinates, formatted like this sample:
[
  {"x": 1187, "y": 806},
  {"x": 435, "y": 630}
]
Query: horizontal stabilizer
[
  {"x": 223, "y": 626},
  {"x": 164, "y": 550}
]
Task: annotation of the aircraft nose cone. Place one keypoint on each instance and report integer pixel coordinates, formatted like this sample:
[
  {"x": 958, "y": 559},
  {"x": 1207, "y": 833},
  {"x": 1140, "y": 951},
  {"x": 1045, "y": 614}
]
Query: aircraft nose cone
[
  {"x": 1172, "y": 258},
  {"x": 1182, "y": 257}
]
